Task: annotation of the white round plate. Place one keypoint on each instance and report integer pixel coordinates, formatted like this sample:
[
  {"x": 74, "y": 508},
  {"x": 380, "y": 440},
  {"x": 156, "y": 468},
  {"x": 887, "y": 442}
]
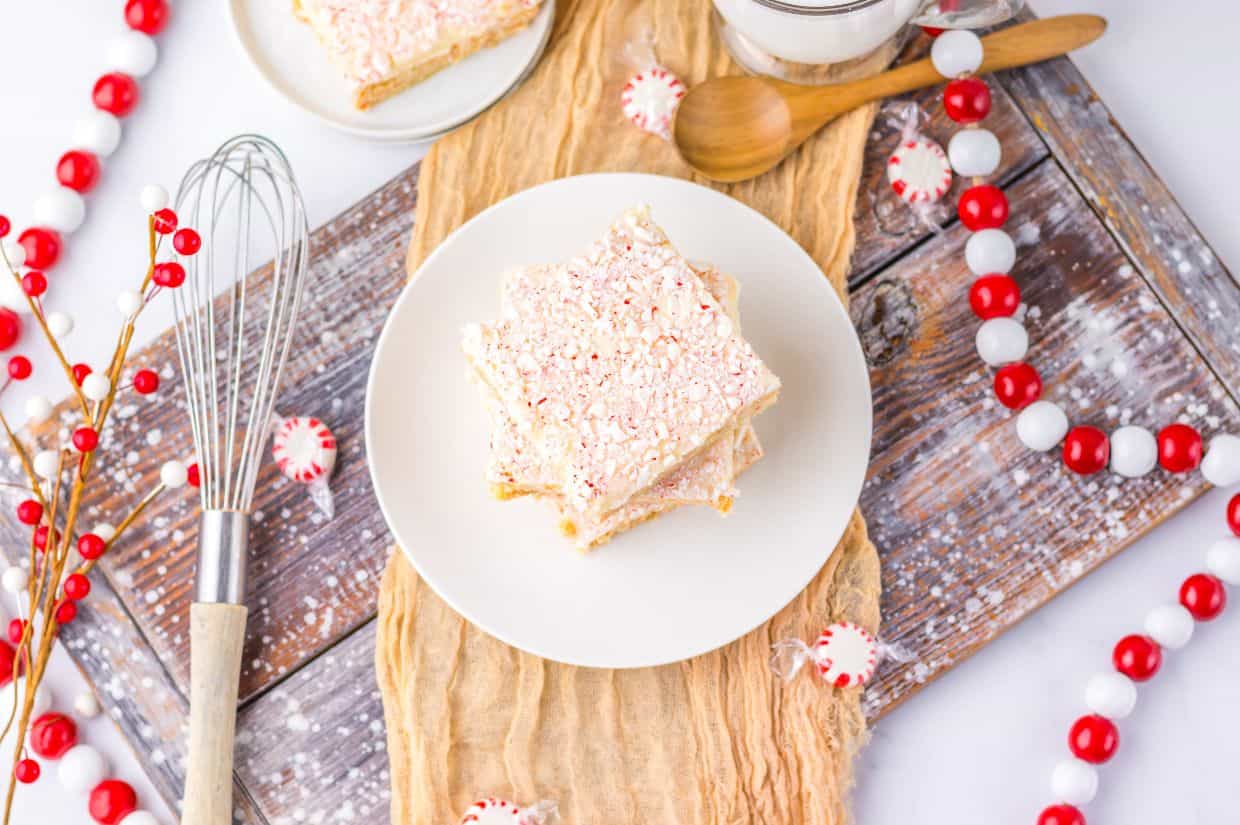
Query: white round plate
[
  {"x": 688, "y": 581},
  {"x": 288, "y": 55}
]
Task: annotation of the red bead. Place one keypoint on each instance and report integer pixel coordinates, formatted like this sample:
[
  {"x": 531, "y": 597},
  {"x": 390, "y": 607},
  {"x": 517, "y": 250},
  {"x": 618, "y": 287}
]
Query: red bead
[
  {"x": 80, "y": 371},
  {"x": 10, "y": 328},
  {"x": 42, "y": 247},
  {"x": 1017, "y": 386},
  {"x": 146, "y": 16},
  {"x": 1061, "y": 815},
  {"x": 145, "y": 382},
  {"x": 170, "y": 274},
  {"x": 52, "y": 734},
  {"x": 90, "y": 546},
  {"x": 1203, "y": 596},
  {"x": 40, "y": 536},
  {"x": 5, "y": 226},
  {"x": 30, "y": 512},
  {"x": 982, "y": 207},
  {"x": 85, "y": 439},
  {"x": 165, "y": 221},
  {"x": 116, "y": 93},
  {"x": 1137, "y": 657},
  {"x": 20, "y": 368},
  {"x": 192, "y": 475},
  {"x": 17, "y": 627},
  {"x": 1179, "y": 448},
  {"x": 1093, "y": 738},
  {"x": 1233, "y": 514},
  {"x": 111, "y": 801},
  {"x": 966, "y": 100},
  {"x": 34, "y": 283},
  {"x": 933, "y": 31},
  {"x": 186, "y": 241},
  {"x": 994, "y": 296},
  {"x": 66, "y": 611},
  {"x": 26, "y": 771},
  {"x": 77, "y": 586},
  {"x": 1086, "y": 450},
  {"x": 78, "y": 170},
  {"x": 8, "y": 663}
]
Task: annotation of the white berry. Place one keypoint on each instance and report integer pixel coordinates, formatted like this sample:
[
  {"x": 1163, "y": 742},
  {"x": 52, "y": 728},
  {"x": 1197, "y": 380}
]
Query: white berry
[
  {"x": 16, "y": 254},
  {"x": 132, "y": 53},
  {"x": 59, "y": 323},
  {"x": 173, "y": 474},
  {"x": 1171, "y": 625},
  {"x": 956, "y": 52},
  {"x": 129, "y": 302},
  {"x": 11, "y": 295},
  {"x": 1112, "y": 695},
  {"x": 1001, "y": 341},
  {"x": 140, "y": 818},
  {"x": 96, "y": 387},
  {"x": 46, "y": 463},
  {"x": 38, "y": 408},
  {"x": 154, "y": 197},
  {"x": 61, "y": 209},
  {"x": 86, "y": 705},
  {"x": 15, "y": 580},
  {"x": 1223, "y": 559},
  {"x": 1041, "y": 425},
  {"x": 81, "y": 769},
  {"x": 98, "y": 133},
  {"x": 990, "y": 252},
  {"x": 104, "y": 531},
  {"x": 1221, "y": 466},
  {"x": 1134, "y": 451},
  {"x": 1074, "y": 782},
  {"x": 974, "y": 152}
]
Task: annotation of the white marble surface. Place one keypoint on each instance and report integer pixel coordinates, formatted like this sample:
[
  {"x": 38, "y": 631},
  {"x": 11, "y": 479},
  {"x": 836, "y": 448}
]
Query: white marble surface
[{"x": 977, "y": 745}]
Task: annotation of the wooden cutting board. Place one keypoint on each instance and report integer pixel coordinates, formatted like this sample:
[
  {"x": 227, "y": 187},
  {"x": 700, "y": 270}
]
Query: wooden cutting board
[{"x": 1132, "y": 316}]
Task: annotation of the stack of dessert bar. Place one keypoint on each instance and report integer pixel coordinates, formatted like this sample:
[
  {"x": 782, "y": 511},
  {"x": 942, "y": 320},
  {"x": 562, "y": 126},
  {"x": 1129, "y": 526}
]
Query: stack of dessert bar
[{"x": 618, "y": 384}]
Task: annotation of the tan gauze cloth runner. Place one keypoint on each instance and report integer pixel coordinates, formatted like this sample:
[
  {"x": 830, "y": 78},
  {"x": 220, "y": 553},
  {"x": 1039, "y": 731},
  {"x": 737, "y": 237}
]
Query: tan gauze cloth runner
[{"x": 714, "y": 740}]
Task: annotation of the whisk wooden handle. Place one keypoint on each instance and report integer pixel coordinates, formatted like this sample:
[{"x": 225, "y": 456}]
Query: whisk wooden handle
[{"x": 217, "y": 632}]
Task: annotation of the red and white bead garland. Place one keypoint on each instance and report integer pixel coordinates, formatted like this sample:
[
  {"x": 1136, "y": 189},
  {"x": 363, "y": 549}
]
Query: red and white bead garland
[
  {"x": 60, "y": 211},
  {"x": 1130, "y": 451}
]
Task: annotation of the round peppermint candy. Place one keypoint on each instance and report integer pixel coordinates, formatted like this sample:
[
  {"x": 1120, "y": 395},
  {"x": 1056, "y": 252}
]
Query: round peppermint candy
[
  {"x": 846, "y": 654},
  {"x": 650, "y": 99},
  {"x": 492, "y": 811},
  {"x": 919, "y": 171},
  {"x": 304, "y": 449}
]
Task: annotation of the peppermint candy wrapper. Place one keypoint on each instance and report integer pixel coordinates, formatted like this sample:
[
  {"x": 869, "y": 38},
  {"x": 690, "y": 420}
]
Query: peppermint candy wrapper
[
  {"x": 845, "y": 655},
  {"x": 305, "y": 451},
  {"x": 919, "y": 174},
  {"x": 495, "y": 811},
  {"x": 652, "y": 93}
]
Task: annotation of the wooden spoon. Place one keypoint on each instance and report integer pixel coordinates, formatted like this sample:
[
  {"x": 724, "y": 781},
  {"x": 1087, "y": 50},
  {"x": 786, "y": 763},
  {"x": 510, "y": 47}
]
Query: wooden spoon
[{"x": 734, "y": 128}]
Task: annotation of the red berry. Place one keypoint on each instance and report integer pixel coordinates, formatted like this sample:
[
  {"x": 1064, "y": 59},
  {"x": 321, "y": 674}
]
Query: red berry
[
  {"x": 80, "y": 371},
  {"x": 78, "y": 170},
  {"x": 1061, "y": 815},
  {"x": 10, "y": 328},
  {"x": 186, "y": 241},
  {"x": 42, "y": 247},
  {"x": 146, "y": 16},
  {"x": 8, "y": 658},
  {"x": 34, "y": 283},
  {"x": 1233, "y": 514},
  {"x": 85, "y": 439},
  {"x": 5, "y": 226},
  {"x": 26, "y": 771},
  {"x": 192, "y": 476},
  {"x": 41, "y": 535},
  {"x": 1086, "y": 450},
  {"x": 1137, "y": 657},
  {"x": 933, "y": 31},
  {"x": 966, "y": 100},
  {"x": 20, "y": 368},
  {"x": 17, "y": 627},
  {"x": 1203, "y": 596},
  {"x": 77, "y": 586},
  {"x": 170, "y": 274},
  {"x": 30, "y": 512},
  {"x": 90, "y": 546},
  {"x": 111, "y": 801},
  {"x": 52, "y": 734},
  {"x": 1017, "y": 386},
  {"x": 165, "y": 221},
  {"x": 1179, "y": 448},
  {"x": 1093, "y": 738},
  {"x": 66, "y": 611},
  {"x": 145, "y": 382},
  {"x": 116, "y": 93},
  {"x": 982, "y": 207},
  {"x": 994, "y": 296}
]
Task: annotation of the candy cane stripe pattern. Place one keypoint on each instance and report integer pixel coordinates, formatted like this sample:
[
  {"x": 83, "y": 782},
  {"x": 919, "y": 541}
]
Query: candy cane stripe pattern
[
  {"x": 846, "y": 654},
  {"x": 650, "y": 99},
  {"x": 919, "y": 172},
  {"x": 492, "y": 811},
  {"x": 304, "y": 449}
]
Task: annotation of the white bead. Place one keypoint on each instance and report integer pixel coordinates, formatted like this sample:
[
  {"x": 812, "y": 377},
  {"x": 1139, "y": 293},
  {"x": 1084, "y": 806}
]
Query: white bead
[
  {"x": 154, "y": 197},
  {"x": 16, "y": 253},
  {"x": 1171, "y": 625},
  {"x": 104, "y": 531},
  {"x": 132, "y": 53},
  {"x": 1001, "y": 341},
  {"x": 140, "y": 818},
  {"x": 1221, "y": 466},
  {"x": 990, "y": 251},
  {"x": 173, "y": 474},
  {"x": 86, "y": 705},
  {"x": 62, "y": 209},
  {"x": 17, "y": 688},
  {"x": 15, "y": 579},
  {"x": 11, "y": 295},
  {"x": 1134, "y": 451},
  {"x": 974, "y": 152},
  {"x": 1223, "y": 559},
  {"x": 38, "y": 408},
  {"x": 98, "y": 133},
  {"x": 60, "y": 324},
  {"x": 1112, "y": 695},
  {"x": 81, "y": 769},
  {"x": 46, "y": 462},
  {"x": 96, "y": 387},
  {"x": 1074, "y": 782},
  {"x": 1041, "y": 425},
  {"x": 129, "y": 302},
  {"x": 956, "y": 52}
]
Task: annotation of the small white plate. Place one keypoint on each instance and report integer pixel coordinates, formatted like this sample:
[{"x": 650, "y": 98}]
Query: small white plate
[
  {"x": 687, "y": 582},
  {"x": 288, "y": 55}
]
